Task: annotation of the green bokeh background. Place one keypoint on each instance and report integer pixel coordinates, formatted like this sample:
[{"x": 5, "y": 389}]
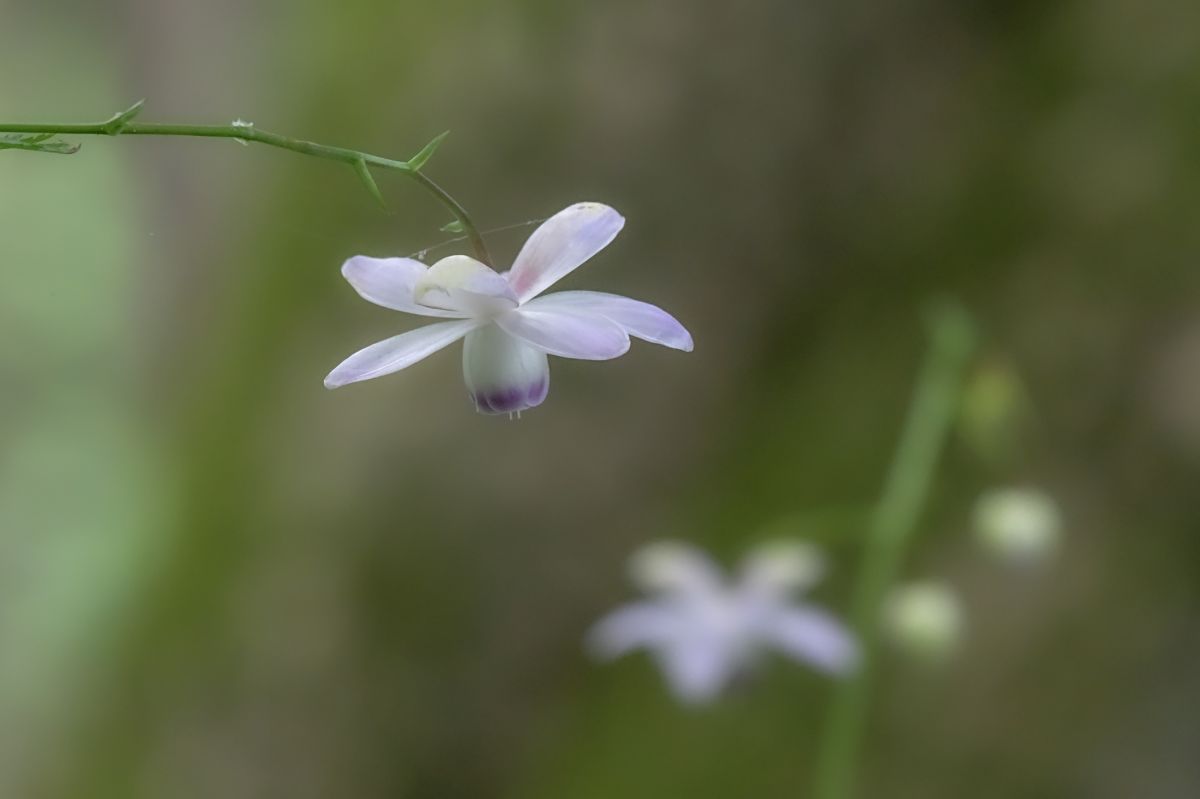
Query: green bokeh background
[{"x": 219, "y": 579}]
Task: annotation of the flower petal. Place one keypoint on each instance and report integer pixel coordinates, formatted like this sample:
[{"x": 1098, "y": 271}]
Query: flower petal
[
  {"x": 697, "y": 671},
  {"x": 389, "y": 282},
  {"x": 641, "y": 319},
  {"x": 635, "y": 626},
  {"x": 568, "y": 334},
  {"x": 673, "y": 567},
  {"x": 696, "y": 661},
  {"x": 561, "y": 243},
  {"x": 811, "y": 636},
  {"x": 778, "y": 568},
  {"x": 503, "y": 374},
  {"x": 397, "y": 352},
  {"x": 460, "y": 284}
]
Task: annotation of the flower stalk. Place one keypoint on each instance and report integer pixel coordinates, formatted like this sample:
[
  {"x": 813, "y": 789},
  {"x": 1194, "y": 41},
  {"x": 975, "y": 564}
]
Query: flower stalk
[
  {"x": 890, "y": 531},
  {"x": 33, "y": 137}
]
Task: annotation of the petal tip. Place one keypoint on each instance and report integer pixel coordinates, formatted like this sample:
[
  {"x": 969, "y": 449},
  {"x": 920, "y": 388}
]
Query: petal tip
[
  {"x": 612, "y": 215},
  {"x": 675, "y": 335},
  {"x": 598, "y": 207},
  {"x": 350, "y": 265}
]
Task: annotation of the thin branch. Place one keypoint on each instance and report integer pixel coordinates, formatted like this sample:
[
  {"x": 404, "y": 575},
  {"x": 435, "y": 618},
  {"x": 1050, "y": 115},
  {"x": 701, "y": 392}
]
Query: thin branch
[{"x": 123, "y": 125}]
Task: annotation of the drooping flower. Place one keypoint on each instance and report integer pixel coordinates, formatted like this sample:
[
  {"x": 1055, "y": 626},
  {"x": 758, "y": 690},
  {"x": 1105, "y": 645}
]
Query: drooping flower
[
  {"x": 509, "y": 326},
  {"x": 704, "y": 631}
]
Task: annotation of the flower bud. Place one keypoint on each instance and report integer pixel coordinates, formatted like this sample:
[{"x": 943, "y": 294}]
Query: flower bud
[
  {"x": 924, "y": 619},
  {"x": 1018, "y": 524},
  {"x": 993, "y": 406}
]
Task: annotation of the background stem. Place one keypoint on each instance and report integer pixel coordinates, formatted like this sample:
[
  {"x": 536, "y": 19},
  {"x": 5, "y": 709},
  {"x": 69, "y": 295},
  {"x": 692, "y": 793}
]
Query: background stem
[
  {"x": 930, "y": 414},
  {"x": 249, "y": 133}
]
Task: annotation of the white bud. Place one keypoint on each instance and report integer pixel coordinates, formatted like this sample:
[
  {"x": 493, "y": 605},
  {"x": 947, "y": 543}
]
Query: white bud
[
  {"x": 924, "y": 619},
  {"x": 1018, "y": 524}
]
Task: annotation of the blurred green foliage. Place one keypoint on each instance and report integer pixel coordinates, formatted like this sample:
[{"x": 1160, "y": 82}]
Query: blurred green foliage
[{"x": 217, "y": 579}]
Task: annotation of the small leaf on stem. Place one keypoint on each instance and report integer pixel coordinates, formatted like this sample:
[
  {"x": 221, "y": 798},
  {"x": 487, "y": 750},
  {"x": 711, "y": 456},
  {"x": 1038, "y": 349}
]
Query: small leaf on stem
[
  {"x": 37, "y": 143},
  {"x": 364, "y": 172},
  {"x": 241, "y": 123},
  {"x": 420, "y": 159},
  {"x": 119, "y": 122},
  {"x": 453, "y": 227}
]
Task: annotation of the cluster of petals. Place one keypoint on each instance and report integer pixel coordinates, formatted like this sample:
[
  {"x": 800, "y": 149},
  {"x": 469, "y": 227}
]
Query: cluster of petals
[
  {"x": 509, "y": 325},
  {"x": 705, "y": 631}
]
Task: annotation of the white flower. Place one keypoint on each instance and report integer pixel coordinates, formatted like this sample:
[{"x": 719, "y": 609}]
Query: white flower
[
  {"x": 925, "y": 619},
  {"x": 509, "y": 329},
  {"x": 1018, "y": 523},
  {"x": 704, "y": 631}
]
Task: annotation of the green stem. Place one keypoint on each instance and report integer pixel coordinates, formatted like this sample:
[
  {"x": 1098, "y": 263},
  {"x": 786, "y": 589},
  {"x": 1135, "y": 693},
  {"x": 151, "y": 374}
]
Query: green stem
[
  {"x": 891, "y": 528},
  {"x": 120, "y": 126}
]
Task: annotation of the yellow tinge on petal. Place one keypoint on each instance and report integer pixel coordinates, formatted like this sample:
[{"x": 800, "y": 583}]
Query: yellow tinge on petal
[{"x": 460, "y": 283}]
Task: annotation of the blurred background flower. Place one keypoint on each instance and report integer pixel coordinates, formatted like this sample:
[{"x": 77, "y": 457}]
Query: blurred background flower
[
  {"x": 706, "y": 632},
  {"x": 219, "y": 579}
]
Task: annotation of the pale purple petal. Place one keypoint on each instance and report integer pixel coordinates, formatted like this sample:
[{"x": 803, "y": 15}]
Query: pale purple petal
[
  {"x": 397, "y": 352},
  {"x": 811, "y": 636},
  {"x": 389, "y": 282},
  {"x": 561, "y": 243},
  {"x": 503, "y": 373},
  {"x": 697, "y": 671},
  {"x": 567, "y": 334},
  {"x": 640, "y": 319},
  {"x": 636, "y": 626}
]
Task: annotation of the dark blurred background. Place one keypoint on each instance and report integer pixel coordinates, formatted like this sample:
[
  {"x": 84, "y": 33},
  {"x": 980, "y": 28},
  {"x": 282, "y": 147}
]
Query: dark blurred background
[{"x": 219, "y": 579}]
